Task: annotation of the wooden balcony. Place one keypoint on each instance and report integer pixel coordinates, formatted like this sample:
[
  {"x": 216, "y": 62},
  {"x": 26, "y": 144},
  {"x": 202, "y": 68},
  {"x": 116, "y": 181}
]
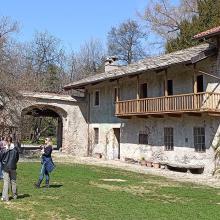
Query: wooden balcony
[{"x": 177, "y": 104}]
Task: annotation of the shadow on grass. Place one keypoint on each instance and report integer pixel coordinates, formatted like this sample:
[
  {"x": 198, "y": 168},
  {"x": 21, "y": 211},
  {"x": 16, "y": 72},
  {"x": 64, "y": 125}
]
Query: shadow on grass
[
  {"x": 54, "y": 186},
  {"x": 22, "y": 196}
]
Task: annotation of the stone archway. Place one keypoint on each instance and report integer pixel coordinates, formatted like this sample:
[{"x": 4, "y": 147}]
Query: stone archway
[
  {"x": 71, "y": 111},
  {"x": 44, "y": 111}
]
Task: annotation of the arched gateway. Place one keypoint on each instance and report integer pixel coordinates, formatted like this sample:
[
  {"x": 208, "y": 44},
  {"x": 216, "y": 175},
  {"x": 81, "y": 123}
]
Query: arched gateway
[
  {"x": 70, "y": 113},
  {"x": 39, "y": 110}
]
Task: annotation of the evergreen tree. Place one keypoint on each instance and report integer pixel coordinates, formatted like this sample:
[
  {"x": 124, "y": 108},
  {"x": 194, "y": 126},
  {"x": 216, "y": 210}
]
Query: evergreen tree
[
  {"x": 51, "y": 79},
  {"x": 208, "y": 17}
]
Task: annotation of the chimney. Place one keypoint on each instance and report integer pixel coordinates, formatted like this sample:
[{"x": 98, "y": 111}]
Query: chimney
[{"x": 111, "y": 63}]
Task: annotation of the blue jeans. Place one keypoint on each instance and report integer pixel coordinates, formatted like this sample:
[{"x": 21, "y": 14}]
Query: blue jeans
[
  {"x": 1, "y": 174},
  {"x": 43, "y": 172}
]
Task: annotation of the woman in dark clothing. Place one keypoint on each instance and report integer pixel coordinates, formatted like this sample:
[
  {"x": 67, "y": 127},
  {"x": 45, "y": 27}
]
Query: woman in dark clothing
[
  {"x": 47, "y": 163},
  {"x": 2, "y": 147},
  {"x": 9, "y": 158}
]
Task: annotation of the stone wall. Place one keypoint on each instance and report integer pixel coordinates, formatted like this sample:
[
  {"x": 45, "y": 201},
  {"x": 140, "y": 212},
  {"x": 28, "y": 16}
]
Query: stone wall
[{"x": 183, "y": 152}]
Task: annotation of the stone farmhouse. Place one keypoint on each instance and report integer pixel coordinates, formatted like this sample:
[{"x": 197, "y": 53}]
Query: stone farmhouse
[{"x": 164, "y": 108}]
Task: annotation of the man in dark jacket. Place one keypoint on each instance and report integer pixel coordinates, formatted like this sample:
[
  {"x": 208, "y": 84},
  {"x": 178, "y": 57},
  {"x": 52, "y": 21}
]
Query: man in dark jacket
[{"x": 9, "y": 158}]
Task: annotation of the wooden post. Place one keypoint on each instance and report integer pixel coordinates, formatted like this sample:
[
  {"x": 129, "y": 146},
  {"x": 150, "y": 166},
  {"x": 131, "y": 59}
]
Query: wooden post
[
  {"x": 138, "y": 87},
  {"x": 195, "y": 86},
  {"x": 117, "y": 98},
  {"x": 165, "y": 83},
  {"x": 165, "y": 89},
  {"x": 194, "y": 79},
  {"x": 117, "y": 95},
  {"x": 138, "y": 93}
]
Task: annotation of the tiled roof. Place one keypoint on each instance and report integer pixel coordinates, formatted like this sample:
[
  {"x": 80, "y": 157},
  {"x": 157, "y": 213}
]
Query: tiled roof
[
  {"x": 186, "y": 56},
  {"x": 208, "y": 33}
]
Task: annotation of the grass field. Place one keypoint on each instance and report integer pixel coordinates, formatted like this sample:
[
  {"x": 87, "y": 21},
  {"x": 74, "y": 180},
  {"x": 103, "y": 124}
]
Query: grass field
[{"x": 87, "y": 193}]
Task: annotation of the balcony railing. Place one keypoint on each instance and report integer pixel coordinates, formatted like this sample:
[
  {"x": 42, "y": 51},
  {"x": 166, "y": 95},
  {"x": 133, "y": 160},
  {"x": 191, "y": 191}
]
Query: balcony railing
[{"x": 199, "y": 102}]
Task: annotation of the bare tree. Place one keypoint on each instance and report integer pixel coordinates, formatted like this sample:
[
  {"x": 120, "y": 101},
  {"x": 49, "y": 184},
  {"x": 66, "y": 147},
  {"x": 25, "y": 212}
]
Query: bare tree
[
  {"x": 7, "y": 27},
  {"x": 125, "y": 42},
  {"x": 164, "y": 17},
  {"x": 7, "y": 91},
  {"x": 91, "y": 56},
  {"x": 45, "y": 62},
  {"x": 44, "y": 50},
  {"x": 89, "y": 60}
]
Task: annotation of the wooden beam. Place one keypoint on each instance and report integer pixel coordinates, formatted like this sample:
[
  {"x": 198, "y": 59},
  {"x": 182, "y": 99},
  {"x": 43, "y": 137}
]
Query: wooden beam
[
  {"x": 124, "y": 117},
  {"x": 95, "y": 83},
  {"x": 142, "y": 116},
  {"x": 160, "y": 70},
  {"x": 214, "y": 114},
  {"x": 138, "y": 93},
  {"x": 202, "y": 72},
  {"x": 176, "y": 115},
  {"x": 187, "y": 64},
  {"x": 112, "y": 80},
  {"x": 132, "y": 76},
  {"x": 117, "y": 95},
  {"x": 138, "y": 87},
  {"x": 208, "y": 74},
  {"x": 165, "y": 88},
  {"x": 156, "y": 116},
  {"x": 194, "y": 114}
]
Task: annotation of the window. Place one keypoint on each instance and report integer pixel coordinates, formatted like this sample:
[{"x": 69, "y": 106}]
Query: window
[
  {"x": 168, "y": 138},
  {"x": 96, "y": 135},
  {"x": 143, "y": 138},
  {"x": 96, "y": 98},
  {"x": 115, "y": 94},
  {"x": 143, "y": 90},
  {"x": 199, "y": 139},
  {"x": 200, "y": 83},
  {"x": 170, "y": 87}
]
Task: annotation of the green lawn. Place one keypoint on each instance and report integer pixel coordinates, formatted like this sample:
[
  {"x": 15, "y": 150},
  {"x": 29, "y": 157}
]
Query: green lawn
[{"x": 79, "y": 192}]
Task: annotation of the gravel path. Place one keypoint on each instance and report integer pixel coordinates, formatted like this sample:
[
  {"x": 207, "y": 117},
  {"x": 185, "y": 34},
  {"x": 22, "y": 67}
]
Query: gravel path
[{"x": 202, "y": 179}]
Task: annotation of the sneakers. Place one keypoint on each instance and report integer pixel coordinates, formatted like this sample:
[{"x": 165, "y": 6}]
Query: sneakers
[
  {"x": 4, "y": 200},
  {"x": 15, "y": 196},
  {"x": 36, "y": 185},
  {"x": 47, "y": 184}
]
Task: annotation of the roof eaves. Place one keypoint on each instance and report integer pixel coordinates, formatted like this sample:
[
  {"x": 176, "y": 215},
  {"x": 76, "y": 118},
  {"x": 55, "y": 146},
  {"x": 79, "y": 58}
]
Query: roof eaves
[
  {"x": 207, "y": 34},
  {"x": 149, "y": 64}
]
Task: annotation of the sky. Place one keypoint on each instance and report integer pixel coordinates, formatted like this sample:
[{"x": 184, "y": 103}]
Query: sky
[{"x": 72, "y": 21}]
